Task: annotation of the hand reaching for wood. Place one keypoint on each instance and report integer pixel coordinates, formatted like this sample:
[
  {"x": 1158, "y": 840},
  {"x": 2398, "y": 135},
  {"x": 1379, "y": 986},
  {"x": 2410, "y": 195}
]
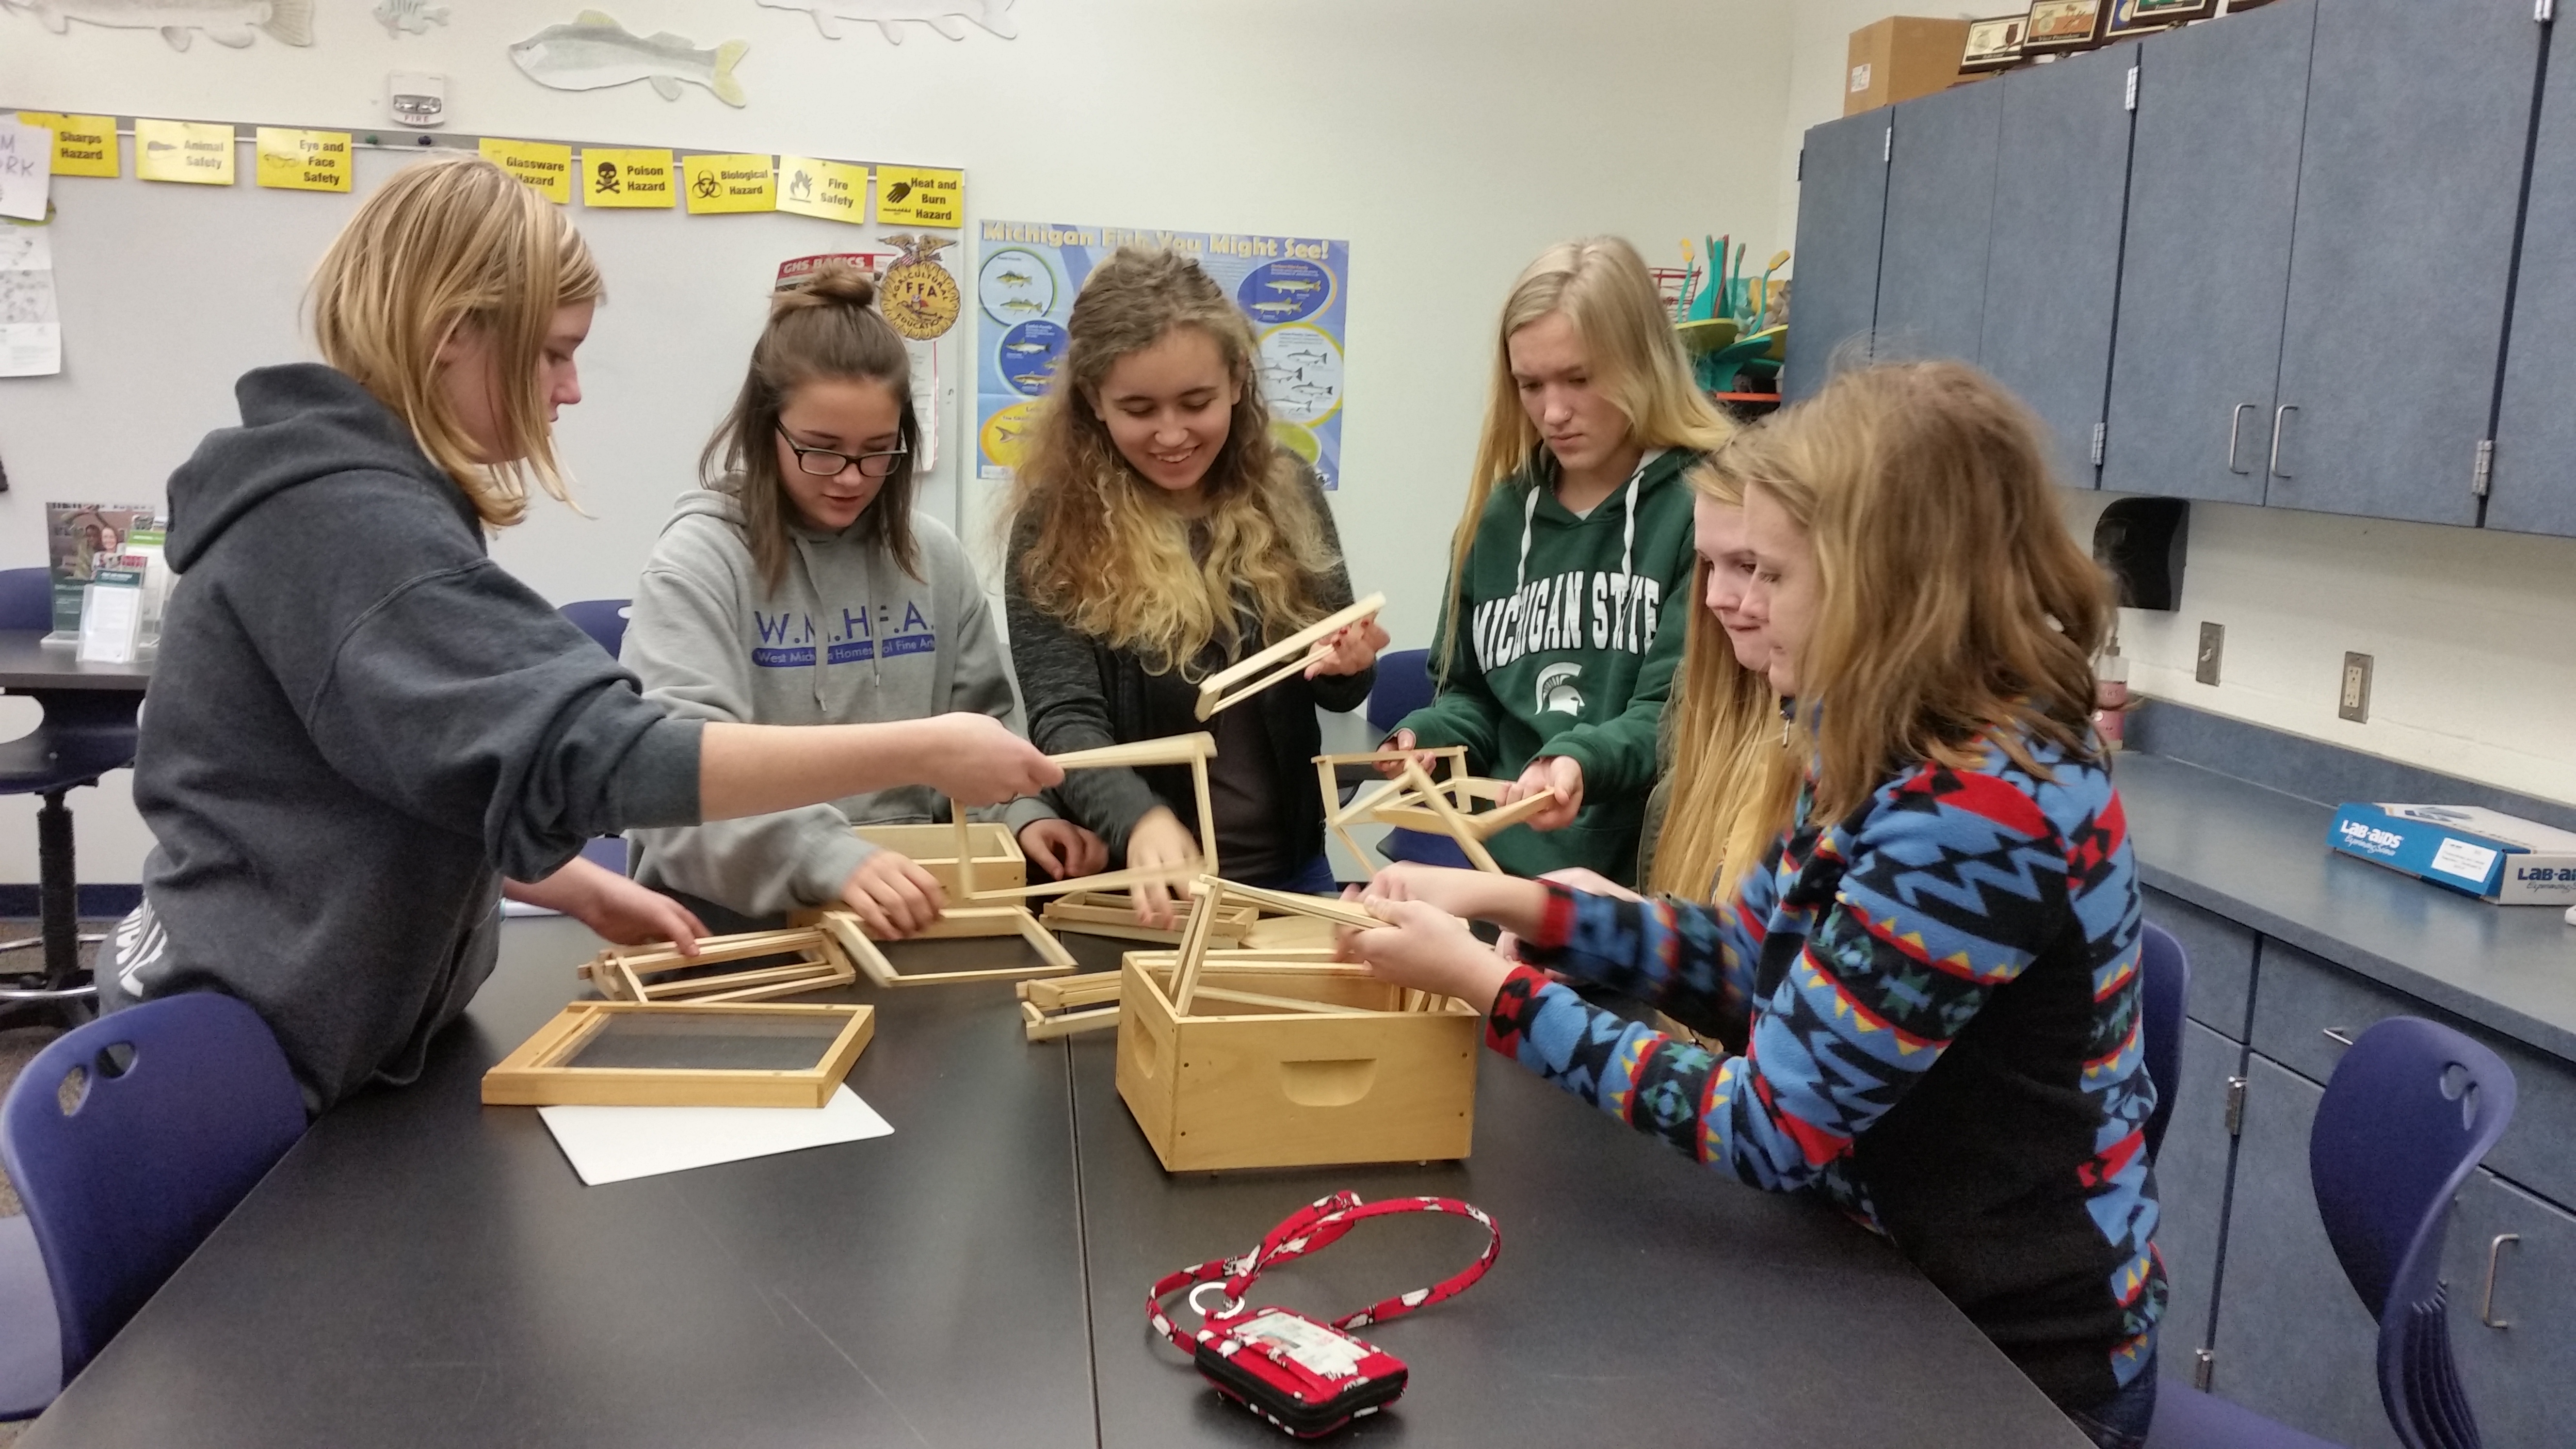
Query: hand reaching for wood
[
  {"x": 892, "y": 896},
  {"x": 1063, "y": 849},
  {"x": 615, "y": 908},
  {"x": 1404, "y": 740},
  {"x": 1422, "y": 946},
  {"x": 1561, "y": 773},
  {"x": 1350, "y": 650},
  {"x": 1159, "y": 841}
]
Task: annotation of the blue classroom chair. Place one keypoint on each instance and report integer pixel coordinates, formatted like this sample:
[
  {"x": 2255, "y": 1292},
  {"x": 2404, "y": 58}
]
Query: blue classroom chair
[
  {"x": 2412, "y": 1108},
  {"x": 1404, "y": 685},
  {"x": 178, "y": 1107},
  {"x": 2164, "y": 980},
  {"x": 83, "y": 735},
  {"x": 604, "y": 620}
]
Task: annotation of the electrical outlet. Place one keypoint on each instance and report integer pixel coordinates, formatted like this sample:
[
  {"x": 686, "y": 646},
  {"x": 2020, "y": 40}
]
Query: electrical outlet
[
  {"x": 2353, "y": 701},
  {"x": 2213, "y": 639}
]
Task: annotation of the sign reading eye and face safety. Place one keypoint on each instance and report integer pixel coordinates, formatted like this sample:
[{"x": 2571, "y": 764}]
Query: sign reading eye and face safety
[
  {"x": 630, "y": 178},
  {"x": 292, "y": 160}
]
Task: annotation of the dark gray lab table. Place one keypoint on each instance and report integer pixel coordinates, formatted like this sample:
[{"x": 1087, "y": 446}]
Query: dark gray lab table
[{"x": 422, "y": 1270}]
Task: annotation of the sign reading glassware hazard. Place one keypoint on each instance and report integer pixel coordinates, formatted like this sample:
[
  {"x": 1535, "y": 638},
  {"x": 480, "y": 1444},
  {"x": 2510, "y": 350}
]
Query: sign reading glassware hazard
[{"x": 1292, "y": 289}]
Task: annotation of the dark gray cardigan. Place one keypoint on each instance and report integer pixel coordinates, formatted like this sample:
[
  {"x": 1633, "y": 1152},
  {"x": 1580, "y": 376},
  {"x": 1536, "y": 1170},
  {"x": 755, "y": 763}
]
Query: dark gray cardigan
[{"x": 1081, "y": 693}]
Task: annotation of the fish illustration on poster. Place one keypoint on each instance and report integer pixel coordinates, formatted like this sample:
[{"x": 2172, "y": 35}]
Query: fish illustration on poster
[
  {"x": 1294, "y": 290},
  {"x": 948, "y": 17},
  {"x": 416, "y": 16},
  {"x": 225, "y": 22},
  {"x": 593, "y": 51}
]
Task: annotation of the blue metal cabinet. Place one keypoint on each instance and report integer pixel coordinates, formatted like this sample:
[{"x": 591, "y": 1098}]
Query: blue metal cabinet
[
  {"x": 1842, "y": 203},
  {"x": 1940, "y": 215}
]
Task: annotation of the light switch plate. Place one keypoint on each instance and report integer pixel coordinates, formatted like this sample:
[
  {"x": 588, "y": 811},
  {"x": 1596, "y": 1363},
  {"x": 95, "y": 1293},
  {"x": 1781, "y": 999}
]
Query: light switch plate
[{"x": 2213, "y": 640}]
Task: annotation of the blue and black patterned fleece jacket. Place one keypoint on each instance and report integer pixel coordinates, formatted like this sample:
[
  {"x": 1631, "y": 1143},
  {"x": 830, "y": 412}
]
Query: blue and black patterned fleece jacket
[{"x": 1937, "y": 999}]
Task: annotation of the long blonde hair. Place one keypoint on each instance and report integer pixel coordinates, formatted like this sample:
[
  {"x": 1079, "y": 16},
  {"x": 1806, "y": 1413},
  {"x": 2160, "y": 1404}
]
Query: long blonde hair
[
  {"x": 453, "y": 243},
  {"x": 1602, "y": 287},
  {"x": 1098, "y": 547},
  {"x": 824, "y": 327},
  {"x": 1955, "y": 606},
  {"x": 1731, "y": 789}
]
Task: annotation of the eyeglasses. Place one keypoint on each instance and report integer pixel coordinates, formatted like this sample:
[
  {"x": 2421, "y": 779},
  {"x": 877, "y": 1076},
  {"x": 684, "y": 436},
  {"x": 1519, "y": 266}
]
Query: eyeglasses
[{"x": 824, "y": 463}]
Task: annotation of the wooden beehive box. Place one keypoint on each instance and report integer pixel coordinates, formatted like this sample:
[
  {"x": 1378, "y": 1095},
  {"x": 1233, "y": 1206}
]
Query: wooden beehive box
[
  {"x": 1276, "y": 1087},
  {"x": 998, "y": 862}
]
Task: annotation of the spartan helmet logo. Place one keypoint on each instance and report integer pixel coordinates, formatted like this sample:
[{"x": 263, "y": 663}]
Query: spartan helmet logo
[{"x": 1556, "y": 690}]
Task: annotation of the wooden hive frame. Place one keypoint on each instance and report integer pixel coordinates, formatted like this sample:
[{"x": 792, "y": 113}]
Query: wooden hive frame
[
  {"x": 1193, "y": 750},
  {"x": 1070, "y": 1005},
  {"x": 650, "y": 975},
  {"x": 953, "y": 923},
  {"x": 1338, "y": 818},
  {"x": 1103, "y": 913},
  {"x": 998, "y": 860},
  {"x": 1303, "y": 650},
  {"x": 539, "y": 1073}
]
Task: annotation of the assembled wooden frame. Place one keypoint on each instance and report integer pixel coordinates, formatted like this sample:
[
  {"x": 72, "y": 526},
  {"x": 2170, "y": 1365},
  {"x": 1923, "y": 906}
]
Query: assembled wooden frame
[
  {"x": 539, "y": 1073},
  {"x": 659, "y": 975},
  {"x": 1303, "y": 650},
  {"x": 954, "y": 922}
]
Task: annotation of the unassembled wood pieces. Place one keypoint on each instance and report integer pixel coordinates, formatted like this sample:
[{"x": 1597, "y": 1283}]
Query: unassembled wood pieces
[
  {"x": 1068, "y": 1005},
  {"x": 1215, "y": 894},
  {"x": 653, "y": 974},
  {"x": 1302, "y": 649},
  {"x": 1101, "y": 913},
  {"x": 1338, "y": 819},
  {"x": 1414, "y": 801},
  {"x": 1192, "y": 750},
  {"x": 641, "y": 1054},
  {"x": 954, "y": 922}
]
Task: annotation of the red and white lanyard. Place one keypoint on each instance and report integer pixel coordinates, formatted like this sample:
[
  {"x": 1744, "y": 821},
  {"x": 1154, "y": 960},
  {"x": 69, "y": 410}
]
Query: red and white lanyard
[{"x": 1317, "y": 1225}]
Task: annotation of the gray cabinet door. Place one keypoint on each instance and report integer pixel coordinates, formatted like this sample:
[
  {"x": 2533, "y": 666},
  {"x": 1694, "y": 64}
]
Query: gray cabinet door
[
  {"x": 2191, "y": 1194},
  {"x": 2534, "y": 489},
  {"x": 1842, "y": 201},
  {"x": 2518, "y": 1377},
  {"x": 2213, "y": 179},
  {"x": 2053, "y": 267},
  {"x": 2410, "y": 175},
  {"x": 2294, "y": 1342},
  {"x": 1940, "y": 212}
]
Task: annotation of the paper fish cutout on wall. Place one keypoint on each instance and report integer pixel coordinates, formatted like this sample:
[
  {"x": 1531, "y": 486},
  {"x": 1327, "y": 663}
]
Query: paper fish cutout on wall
[
  {"x": 888, "y": 15},
  {"x": 225, "y": 22},
  {"x": 415, "y": 16},
  {"x": 595, "y": 51}
]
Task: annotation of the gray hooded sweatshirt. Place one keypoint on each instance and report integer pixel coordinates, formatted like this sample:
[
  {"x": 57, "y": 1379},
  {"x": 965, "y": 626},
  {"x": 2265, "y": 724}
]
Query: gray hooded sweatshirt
[
  {"x": 359, "y": 723},
  {"x": 847, "y": 638}
]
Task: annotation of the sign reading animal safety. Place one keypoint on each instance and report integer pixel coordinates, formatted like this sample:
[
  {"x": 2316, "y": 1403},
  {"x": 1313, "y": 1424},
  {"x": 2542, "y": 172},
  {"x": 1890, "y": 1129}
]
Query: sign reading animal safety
[{"x": 198, "y": 152}]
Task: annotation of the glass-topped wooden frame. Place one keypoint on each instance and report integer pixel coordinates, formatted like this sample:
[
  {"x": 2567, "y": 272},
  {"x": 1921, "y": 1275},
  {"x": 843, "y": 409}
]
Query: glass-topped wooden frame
[{"x": 634, "y": 1054}]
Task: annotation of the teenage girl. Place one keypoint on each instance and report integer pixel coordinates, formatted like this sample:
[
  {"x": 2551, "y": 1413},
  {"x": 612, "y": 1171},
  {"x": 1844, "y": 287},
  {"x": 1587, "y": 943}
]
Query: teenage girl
[
  {"x": 361, "y": 723},
  {"x": 799, "y": 587},
  {"x": 1158, "y": 534},
  {"x": 1569, "y": 576},
  {"x": 1937, "y": 967}
]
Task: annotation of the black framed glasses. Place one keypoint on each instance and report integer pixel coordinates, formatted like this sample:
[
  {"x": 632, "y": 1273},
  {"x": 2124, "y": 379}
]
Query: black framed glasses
[{"x": 824, "y": 463}]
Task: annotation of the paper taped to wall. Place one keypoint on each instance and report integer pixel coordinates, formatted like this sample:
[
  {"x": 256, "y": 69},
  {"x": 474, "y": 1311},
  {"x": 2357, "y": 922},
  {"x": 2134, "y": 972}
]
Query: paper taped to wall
[{"x": 31, "y": 332}]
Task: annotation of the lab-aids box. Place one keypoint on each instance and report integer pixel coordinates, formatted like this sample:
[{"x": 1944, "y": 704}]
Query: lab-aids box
[{"x": 2485, "y": 853}]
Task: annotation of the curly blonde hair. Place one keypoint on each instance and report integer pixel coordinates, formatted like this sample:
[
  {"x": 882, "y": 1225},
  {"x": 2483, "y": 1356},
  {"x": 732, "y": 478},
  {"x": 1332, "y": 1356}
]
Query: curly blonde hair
[{"x": 1098, "y": 546}]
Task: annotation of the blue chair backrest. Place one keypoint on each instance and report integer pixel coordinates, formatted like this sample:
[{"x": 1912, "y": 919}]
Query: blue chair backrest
[
  {"x": 184, "y": 1104},
  {"x": 2164, "y": 979},
  {"x": 2412, "y": 1108},
  {"x": 601, "y": 619},
  {"x": 1403, "y": 686},
  {"x": 26, "y": 598}
]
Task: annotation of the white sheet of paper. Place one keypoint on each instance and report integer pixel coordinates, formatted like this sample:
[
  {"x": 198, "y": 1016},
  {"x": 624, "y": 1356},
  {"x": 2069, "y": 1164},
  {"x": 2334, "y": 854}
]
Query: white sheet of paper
[
  {"x": 26, "y": 169},
  {"x": 612, "y": 1144},
  {"x": 111, "y": 616},
  {"x": 31, "y": 333}
]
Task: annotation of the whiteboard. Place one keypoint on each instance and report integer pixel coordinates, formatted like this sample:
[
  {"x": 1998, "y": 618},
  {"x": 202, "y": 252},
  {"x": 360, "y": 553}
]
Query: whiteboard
[{"x": 170, "y": 292}]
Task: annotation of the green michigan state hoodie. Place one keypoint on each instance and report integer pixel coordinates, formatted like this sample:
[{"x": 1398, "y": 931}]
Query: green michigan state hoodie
[{"x": 1569, "y": 632}]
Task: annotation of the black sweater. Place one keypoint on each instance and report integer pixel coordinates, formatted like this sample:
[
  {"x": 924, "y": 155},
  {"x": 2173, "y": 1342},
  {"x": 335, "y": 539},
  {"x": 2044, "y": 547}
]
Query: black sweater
[
  {"x": 1081, "y": 693},
  {"x": 358, "y": 724}
]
